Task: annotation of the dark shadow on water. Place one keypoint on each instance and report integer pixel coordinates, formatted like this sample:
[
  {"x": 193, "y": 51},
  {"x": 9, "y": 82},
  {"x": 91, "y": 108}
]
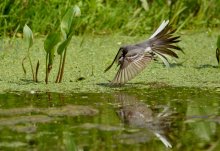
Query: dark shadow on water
[
  {"x": 172, "y": 65},
  {"x": 176, "y": 64},
  {"x": 136, "y": 85},
  {"x": 124, "y": 86},
  {"x": 104, "y": 84},
  {"x": 206, "y": 66},
  {"x": 26, "y": 82},
  {"x": 116, "y": 86},
  {"x": 158, "y": 84}
]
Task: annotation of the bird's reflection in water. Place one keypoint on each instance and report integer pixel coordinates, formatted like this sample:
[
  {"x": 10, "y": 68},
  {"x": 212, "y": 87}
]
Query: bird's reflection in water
[{"x": 137, "y": 114}]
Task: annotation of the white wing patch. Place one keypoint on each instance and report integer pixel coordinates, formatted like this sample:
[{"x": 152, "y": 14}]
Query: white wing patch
[{"x": 161, "y": 27}]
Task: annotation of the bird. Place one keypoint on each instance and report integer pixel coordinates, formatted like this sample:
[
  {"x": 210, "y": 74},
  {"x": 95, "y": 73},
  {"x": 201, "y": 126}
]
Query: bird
[{"x": 132, "y": 59}]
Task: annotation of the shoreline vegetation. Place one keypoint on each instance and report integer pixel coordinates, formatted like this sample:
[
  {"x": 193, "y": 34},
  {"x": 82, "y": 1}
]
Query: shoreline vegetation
[{"x": 133, "y": 17}]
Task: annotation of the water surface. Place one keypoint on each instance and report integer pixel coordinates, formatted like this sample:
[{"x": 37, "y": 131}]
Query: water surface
[{"x": 164, "y": 118}]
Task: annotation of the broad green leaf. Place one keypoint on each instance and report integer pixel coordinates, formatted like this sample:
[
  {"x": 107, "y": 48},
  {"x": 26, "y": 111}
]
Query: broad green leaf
[
  {"x": 66, "y": 22},
  {"x": 51, "y": 41},
  {"x": 218, "y": 42},
  {"x": 64, "y": 44},
  {"x": 28, "y": 35},
  {"x": 50, "y": 45}
]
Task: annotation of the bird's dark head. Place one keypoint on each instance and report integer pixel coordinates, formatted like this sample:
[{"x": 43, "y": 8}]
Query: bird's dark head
[{"x": 123, "y": 49}]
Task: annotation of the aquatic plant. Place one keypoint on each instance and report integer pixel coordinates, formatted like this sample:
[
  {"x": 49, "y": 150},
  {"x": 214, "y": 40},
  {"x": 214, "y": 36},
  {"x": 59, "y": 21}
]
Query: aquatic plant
[
  {"x": 50, "y": 47},
  {"x": 28, "y": 36},
  {"x": 59, "y": 41},
  {"x": 66, "y": 27}
]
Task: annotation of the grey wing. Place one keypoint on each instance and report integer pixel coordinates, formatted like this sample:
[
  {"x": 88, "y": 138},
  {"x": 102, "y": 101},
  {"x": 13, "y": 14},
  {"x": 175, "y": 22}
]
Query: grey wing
[
  {"x": 130, "y": 67},
  {"x": 144, "y": 44},
  {"x": 115, "y": 59}
]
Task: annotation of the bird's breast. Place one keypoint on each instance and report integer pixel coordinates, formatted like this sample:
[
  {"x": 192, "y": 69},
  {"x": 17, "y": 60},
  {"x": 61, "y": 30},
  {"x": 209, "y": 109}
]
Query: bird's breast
[
  {"x": 121, "y": 59},
  {"x": 148, "y": 49}
]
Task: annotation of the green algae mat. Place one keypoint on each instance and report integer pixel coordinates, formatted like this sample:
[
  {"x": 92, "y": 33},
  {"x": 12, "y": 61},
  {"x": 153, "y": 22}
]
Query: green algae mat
[
  {"x": 87, "y": 58},
  {"x": 174, "y": 108}
]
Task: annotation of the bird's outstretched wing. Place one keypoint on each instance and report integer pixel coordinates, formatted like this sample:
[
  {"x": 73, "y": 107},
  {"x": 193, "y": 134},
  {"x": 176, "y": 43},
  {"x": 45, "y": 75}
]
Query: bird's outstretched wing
[
  {"x": 130, "y": 67},
  {"x": 115, "y": 59}
]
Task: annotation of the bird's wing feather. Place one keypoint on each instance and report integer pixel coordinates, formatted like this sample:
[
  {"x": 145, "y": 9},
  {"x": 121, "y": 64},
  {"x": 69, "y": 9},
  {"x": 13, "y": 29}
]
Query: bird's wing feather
[
  {"x": 163, "y": 58},
  {"x": 115, "y": 59},
  {"x": 130, "y": 67},
  {"x": 162, "y": 42},
  {"x": 159, "y": 29}
]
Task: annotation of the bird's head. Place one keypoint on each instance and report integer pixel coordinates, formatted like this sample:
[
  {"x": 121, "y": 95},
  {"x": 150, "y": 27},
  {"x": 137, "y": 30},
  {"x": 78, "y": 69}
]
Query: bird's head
[{"x": 123, "y": 50}]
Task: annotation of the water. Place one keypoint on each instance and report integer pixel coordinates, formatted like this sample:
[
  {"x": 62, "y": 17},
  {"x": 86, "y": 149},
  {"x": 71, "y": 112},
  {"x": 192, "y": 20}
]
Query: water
[{"x": 158, "y": 119}]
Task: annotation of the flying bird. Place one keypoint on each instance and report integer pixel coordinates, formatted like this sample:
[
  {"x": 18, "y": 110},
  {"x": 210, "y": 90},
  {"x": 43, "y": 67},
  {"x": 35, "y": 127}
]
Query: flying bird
[{"x": 132, "y": 59}]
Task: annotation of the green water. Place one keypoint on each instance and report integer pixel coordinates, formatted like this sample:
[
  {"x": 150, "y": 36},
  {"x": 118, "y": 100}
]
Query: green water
[
  {"x": 158, "y": 119},
  {"x": 88, "y": 57}
]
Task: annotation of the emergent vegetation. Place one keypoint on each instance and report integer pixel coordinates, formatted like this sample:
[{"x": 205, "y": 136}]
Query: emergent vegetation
[
  {"x": 28, "y": 36},
  {"x": 55, "y": 41},
  {"x": 106, "y": 16}
]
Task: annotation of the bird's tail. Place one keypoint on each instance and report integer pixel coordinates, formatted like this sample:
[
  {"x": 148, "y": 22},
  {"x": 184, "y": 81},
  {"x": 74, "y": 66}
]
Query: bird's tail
[{"x": 162, "y": 42}]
